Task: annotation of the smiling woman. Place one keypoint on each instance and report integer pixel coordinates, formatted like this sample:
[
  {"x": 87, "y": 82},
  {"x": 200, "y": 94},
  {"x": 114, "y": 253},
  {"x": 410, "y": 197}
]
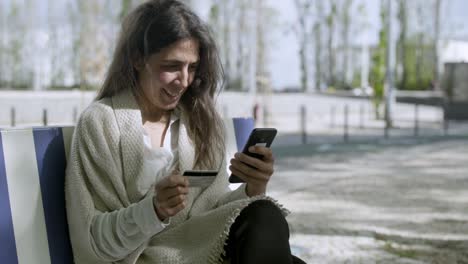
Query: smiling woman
[
  {"x": 153, "y": 119},
  {"x": 168, "y": 74}
]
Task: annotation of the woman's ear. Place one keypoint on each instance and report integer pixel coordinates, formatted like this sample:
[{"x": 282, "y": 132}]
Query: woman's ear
[{"x": 137, "y": 62}]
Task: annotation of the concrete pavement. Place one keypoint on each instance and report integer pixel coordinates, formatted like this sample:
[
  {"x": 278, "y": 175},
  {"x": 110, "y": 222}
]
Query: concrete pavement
[{"x": 403, "y": 202}]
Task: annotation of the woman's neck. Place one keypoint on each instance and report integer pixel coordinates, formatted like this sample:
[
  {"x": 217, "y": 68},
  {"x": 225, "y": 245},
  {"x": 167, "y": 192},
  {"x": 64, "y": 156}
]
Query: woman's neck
[
  {"x": 150, "y": 113},
  {"x": 155, "y": 116}
]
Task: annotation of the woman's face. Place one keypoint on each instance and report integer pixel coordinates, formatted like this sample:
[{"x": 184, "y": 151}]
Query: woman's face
[{"x": 168, "y": 73}]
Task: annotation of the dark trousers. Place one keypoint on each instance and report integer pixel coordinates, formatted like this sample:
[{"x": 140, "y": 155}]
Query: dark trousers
[{"x": 259, "y": 235}]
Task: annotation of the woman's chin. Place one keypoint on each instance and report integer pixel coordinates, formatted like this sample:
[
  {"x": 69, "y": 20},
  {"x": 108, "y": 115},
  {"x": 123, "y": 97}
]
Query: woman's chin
[{"x": 169, "y": 105}]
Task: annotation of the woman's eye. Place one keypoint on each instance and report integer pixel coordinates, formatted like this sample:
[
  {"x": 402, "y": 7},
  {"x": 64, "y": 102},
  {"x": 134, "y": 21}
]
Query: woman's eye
[
  {"x": 170, "y": 67},
  {"x": 193, "y": 68}
]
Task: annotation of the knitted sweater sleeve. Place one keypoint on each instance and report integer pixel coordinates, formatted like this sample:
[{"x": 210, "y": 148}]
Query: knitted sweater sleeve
[
  {"x": 104, "y": 226},
  {"x": 118, "y": 233}
]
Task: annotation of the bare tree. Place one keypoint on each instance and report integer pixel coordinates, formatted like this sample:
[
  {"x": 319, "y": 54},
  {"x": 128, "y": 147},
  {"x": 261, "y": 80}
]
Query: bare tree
[
  {"x": 19, "y": 73},
  {"x": 93, "y": 44},
  {"x": 318, "y": 47},
  {"x": 235, "y": 35},
  {"x": 75, "y": 9},
  {"x": 242, "y": 42},
  {"x": 437, "y": 10},
  {"x": 227, "y": 5},
  {"x": 58, "y": 64},
  {"x": 345, "y": 29},
  {"x": 261, "y": 69},
  {"x": 220, "y": 20},
  {"x": 331, "y": 24},
  {"x": 402, "y": 67},
  {"x": 420, "y": 43},
  {"x": 3, "y": 45},
  {"x": 303, "y": 33}
]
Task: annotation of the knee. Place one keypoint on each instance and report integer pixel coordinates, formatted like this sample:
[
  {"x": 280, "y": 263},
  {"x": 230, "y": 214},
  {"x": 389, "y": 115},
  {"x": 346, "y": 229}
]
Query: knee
[
  {"x": 263, "y": 214},
  {"x": 264, "y": 208}
]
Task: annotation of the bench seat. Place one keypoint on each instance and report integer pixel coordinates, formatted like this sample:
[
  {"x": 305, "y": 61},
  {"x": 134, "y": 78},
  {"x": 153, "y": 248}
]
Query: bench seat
[{"x": 33, "y": 224}]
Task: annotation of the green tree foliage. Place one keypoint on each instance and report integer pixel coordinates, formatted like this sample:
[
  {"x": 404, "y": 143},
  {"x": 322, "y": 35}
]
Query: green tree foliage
[
  {"x": 416, "y": 51},
  {"x": 377, "y": 74},
  {"x": 419, "y": 75}
]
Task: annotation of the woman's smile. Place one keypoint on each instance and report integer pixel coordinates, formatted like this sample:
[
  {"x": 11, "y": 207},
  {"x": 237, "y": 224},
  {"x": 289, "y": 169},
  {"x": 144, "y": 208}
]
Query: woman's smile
[{"x": 171, "y": 94}]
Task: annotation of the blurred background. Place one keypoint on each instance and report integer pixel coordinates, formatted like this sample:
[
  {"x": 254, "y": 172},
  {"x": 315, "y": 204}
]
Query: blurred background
[
  {"x": 55, "y": 53},
  {"x": 370, "y": 98}
]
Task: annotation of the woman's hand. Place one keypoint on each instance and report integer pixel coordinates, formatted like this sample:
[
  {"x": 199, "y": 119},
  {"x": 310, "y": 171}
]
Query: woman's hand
[
  {"x": 257, "y": 177},
  {"x": 170, "y": 196}
]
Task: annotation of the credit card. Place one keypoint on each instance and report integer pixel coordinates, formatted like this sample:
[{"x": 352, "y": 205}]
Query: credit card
[
  {"x": 200, "y": 173},
  {"x": 200, "y": 178}
]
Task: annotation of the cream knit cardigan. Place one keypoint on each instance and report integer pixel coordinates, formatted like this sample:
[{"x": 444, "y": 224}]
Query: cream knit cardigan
[{"x": 105, "y": 161}]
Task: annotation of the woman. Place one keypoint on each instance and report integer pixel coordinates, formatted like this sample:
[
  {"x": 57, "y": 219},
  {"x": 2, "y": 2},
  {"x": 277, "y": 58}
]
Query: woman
[{"x": 153, "y": 119}]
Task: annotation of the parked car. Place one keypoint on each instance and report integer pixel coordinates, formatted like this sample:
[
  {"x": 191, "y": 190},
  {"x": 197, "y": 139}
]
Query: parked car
[{"x": 363, "y": 91}]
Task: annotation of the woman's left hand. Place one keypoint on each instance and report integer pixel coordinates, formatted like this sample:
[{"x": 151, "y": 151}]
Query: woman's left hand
[{"x": 257, "y": 177}]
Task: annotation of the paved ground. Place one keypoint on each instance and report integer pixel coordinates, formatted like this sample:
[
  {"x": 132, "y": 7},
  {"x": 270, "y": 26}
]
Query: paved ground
[
  {"x": 373, "y": 200},
  {"x": 399, "y": 202}
]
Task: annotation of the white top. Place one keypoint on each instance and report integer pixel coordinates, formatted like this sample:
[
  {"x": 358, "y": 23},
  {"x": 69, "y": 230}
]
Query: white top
[{"x": 137, "y": 223}]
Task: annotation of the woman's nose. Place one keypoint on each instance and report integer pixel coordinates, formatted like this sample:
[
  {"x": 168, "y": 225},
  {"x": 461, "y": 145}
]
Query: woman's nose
[{"x": 183, "y": 79}]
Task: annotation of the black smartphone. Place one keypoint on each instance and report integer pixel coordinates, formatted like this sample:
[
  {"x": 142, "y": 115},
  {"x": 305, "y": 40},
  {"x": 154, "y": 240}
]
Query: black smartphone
[{"x": 258, "y": 137}]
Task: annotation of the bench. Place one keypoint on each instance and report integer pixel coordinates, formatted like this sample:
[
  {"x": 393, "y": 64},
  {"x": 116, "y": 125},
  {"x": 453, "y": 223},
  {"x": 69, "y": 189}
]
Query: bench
[{"x": 33, "y": 224}]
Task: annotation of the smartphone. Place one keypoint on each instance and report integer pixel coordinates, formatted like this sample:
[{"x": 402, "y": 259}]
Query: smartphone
[{"x": 258, "y": 137}]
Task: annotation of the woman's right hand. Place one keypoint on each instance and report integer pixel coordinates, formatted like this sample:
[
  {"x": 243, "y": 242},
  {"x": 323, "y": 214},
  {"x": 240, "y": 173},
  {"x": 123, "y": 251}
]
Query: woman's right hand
[{"x": 171, "y": 194}]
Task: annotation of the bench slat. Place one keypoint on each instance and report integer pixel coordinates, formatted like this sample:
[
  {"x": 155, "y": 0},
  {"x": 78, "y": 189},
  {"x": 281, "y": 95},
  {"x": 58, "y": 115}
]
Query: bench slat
[
  {"x": 7, "y": 236},
  {"x": 25, "y": 197},
  {"x": 51, "y": 160}
]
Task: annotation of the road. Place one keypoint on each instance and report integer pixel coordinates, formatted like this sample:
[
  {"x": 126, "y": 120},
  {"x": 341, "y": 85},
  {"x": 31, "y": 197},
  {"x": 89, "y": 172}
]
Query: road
[{"x": 376, "y": 203}]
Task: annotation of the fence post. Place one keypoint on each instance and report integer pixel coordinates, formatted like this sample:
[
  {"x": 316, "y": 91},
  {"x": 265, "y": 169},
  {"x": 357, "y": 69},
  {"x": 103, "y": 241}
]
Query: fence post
[
  {"x": 44, "y": 117},
  {"x": 255, "y": 111},
  {"x": 416, "y": 120},
  {"x": 75, "y": 114},
  {"x": 266, "y": 116},
  {"x": 332, "y": 116},
  {"x": 361, "y": 116},
  {"x": 446, "y": 127},
  {"x": 13, "y": 116},
  {"x": 346, "y": 125},
  {"x": 303, "y": 124},
  {"x": 445, "y": 121}
]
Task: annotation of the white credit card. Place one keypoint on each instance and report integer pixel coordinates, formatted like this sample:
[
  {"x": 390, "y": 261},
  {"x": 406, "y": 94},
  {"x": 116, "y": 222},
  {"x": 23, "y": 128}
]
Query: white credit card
[{"x": 200, "y": 178}]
